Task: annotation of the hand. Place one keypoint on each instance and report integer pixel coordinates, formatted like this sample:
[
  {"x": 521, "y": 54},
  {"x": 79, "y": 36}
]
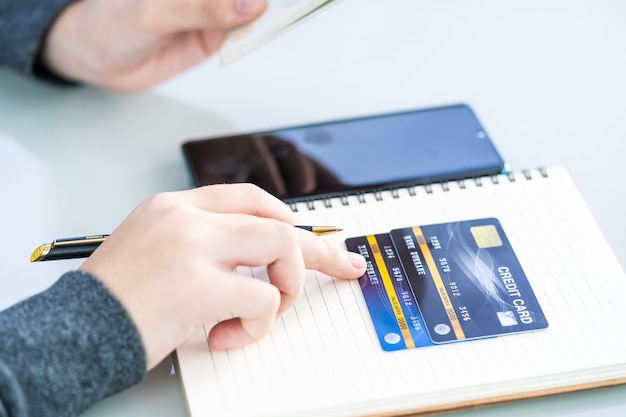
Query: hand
[
  {"x": 129, "y": 45},
  {"x": 171, "y": 263}
]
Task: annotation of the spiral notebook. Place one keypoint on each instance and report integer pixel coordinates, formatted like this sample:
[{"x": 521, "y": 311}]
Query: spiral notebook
[{"x": 336, "y": 354}]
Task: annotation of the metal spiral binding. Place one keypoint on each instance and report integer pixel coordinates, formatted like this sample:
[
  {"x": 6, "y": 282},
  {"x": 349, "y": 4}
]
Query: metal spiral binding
[{"x": 411, "y": 189}]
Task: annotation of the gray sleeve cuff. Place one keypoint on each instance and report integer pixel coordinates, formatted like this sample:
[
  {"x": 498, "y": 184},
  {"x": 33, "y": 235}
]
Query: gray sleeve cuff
[
  {"x": 23, "y": 27},
  {"x": 66, "y": 348}
]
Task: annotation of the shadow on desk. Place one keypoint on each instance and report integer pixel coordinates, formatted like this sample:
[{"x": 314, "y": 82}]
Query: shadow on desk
[
  {"x": 80, "y": 127},
  {"x": 78, "y": 160},
  {"x": 160, "y": 394}
]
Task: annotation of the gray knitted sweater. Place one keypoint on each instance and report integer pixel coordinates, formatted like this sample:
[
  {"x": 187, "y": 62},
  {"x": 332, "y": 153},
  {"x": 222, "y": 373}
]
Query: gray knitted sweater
[
  {"x": 72, "y": 345},
  {"x": 66, "y": 348},
  {"x": 23, "y": 27}
]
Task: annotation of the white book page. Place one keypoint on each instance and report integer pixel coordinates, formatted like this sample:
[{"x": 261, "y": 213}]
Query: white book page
[
  {"x": 322, "y": 357},
  {"x": 278, "y": 15}
]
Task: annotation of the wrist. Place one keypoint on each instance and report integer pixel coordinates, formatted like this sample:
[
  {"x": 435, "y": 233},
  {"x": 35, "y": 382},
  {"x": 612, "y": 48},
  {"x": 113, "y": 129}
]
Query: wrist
[
  {"x": 62, "y": 57},
  {"x": 42, "y": 72}
]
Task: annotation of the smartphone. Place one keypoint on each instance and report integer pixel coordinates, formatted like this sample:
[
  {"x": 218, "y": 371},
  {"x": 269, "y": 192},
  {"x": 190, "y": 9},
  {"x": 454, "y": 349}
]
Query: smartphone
[{"x": 350, "y": 156}]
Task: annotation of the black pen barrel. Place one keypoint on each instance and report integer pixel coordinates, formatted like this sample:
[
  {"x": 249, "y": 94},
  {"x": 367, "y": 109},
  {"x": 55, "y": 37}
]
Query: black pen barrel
[{"x": 71, "y": 252}]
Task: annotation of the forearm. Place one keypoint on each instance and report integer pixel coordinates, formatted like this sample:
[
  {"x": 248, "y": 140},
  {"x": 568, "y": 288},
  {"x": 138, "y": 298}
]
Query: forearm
[{"x": 65, "y": 349}]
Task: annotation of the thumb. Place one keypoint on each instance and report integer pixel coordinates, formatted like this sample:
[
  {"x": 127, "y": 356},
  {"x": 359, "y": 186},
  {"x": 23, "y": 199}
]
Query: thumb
[{"x": 184, "y": 15}]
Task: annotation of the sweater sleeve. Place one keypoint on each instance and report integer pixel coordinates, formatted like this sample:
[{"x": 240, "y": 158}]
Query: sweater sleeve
[
  {"x": 66, "y": 348},
  {"x": 23, "y": 27}
]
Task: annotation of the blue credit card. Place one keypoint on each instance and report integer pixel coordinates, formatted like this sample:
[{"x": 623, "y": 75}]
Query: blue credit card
[
  {"x": 443, "y": 283},
  {"x": 467, "y": 280},
  {"x": 388, "y": 295}
]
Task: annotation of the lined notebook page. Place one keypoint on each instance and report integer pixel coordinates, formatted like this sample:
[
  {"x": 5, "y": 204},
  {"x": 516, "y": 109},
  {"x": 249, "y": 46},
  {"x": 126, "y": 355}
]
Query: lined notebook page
[{"x": 322, "y": 357}]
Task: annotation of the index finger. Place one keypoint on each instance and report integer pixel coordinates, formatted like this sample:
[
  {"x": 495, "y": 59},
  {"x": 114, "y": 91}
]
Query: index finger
[{"x": 329, "y": 258}]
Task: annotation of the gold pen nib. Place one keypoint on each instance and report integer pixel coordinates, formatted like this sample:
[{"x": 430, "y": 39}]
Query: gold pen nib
[
  {"x": 41, "y": 252},
  {"x": 325, "y": 230}
]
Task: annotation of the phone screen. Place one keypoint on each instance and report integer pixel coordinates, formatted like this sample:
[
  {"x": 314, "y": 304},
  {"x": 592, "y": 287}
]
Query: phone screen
[{"x": 352, "y": 155}]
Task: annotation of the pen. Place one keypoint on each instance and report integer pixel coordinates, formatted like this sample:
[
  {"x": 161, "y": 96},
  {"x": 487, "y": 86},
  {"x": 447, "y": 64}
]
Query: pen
[{"x": 82, "y": 247}]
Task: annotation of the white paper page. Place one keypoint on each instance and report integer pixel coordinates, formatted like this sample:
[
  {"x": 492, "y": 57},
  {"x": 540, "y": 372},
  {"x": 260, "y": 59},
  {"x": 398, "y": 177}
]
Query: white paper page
[
  {"x": 278, "y": 15},
  {"x": 323, "y": 356}
]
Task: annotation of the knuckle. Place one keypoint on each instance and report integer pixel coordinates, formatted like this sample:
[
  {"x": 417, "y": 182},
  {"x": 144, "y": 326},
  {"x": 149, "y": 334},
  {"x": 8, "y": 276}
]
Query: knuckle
[
  {"x": 162, "y": 202},
  {"x": 256, "y": 194},
  {"x": 221, "y": 14},
  {"x": 268, "y": 304},
  {"x": 253, "y": 195},
  {"x": 286, "y": 232},
  {"x": 167, "y": 210},
  {"x": 326, "y": 256},
  {"x": 250, "y": 189},
  {"x": 271, "y": 300},
  {"x": 148, "y": 15},
  {"x": 279, "y": 237}
]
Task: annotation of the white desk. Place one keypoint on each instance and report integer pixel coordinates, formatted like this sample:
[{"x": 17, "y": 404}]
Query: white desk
[{"x": 546, "y": 78}]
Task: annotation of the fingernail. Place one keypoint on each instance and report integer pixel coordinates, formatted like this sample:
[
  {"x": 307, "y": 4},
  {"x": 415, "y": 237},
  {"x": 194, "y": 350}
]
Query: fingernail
[
  {"x": 357, "y": 260},
  {"x": 248, "y": 6}
]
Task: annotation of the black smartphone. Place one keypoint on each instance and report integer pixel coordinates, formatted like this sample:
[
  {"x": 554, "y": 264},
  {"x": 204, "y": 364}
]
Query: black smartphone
[{"x": 350, "y": 156}]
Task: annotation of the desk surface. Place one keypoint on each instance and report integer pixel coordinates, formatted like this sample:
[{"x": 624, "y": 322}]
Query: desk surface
[{"x": 546, "y": 79}]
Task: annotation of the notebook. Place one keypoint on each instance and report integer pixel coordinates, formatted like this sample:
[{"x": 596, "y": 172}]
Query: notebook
[
  {"x": 279, "y": 15},
  {"x": 327, "y": 354}
]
